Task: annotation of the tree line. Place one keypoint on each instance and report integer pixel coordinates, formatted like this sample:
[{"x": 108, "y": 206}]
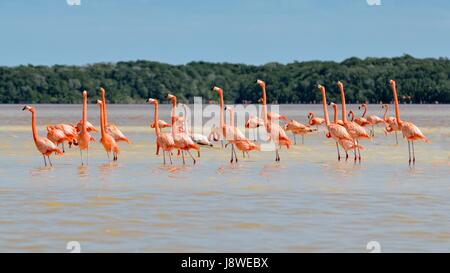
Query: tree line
[{"x": 418, "y": 81}]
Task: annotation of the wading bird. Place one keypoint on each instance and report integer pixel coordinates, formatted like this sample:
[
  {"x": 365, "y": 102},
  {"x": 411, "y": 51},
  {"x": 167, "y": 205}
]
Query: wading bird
[
  {"x": 298, "y": 128},
  {"x": 196, "y": 137},
  {"x": 112, "y": 129},
  {"x": 163, "y": 140},
  {"x": 43, "y": 144},
  {"x": 335, "y": 131},
  {"x": 410, "y": 131},
  {"x": 391, "y": 123},
  {"x": 274, "y": 130},
  {"x": 372, "y": 119},
  {"x": 254, "y": 122},
  {"x": 315, "y": 121},
  {"x": 56, "y": 136},
  {"x": 84, "y": 137},
  {"x": 241, "y": 142},
  {"x": 182, "y": 140},
  {"x": 346, "y": 144},
  {"x": 108, "y": 142},
  {"x": 356, "y": 131}
]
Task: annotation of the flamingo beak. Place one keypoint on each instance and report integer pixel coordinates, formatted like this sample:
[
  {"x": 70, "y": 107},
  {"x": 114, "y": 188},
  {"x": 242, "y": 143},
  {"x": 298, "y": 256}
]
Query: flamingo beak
[{"x": 23, "y": 109}]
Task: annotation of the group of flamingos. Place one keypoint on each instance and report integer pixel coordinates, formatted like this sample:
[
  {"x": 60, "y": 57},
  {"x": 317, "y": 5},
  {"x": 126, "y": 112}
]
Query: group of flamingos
[{"x": 347, "y": 134}]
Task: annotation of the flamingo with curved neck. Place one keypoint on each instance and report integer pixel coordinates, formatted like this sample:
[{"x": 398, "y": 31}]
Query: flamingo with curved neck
[
  {"x": 164, "y": 141},
  {"x": 43, "y": 144},
  {"x": 391, "y": 123}
]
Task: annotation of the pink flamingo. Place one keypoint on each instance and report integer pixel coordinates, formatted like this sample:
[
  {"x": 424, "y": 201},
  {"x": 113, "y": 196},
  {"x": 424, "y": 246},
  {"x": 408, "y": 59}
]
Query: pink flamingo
[
  {"x": 410, "y": 131},
  {"x": 182, "y": 140},
  {"x": 84, "y": 137},
  {"x": 241, "y": 142},
  {"x": 161, "y": 124},
  {"x": 391, "y": 123},
  {"x": 226, "y": 132},
  {"x": 57, "y": 136},
  {"x": 89, "y": 127},
  {"x": 315, "y": 121},
  {"x": 298, "y": 128},
  {"x": 275, "y": 132},
  {"x": 44, "y": 145},
  {"x": 335, "y": 131},
  {"x": 355, "y": 130},
  {"x": 372, "y": 119},
  {"x": 346, "y": 144},
  {"x": 108, "y": 142},
  {"x": 70, "y": 131},
  {"x": 164, "y": 141},
  {"x": 112, "y": 129},
  {"x": 254, "y": 123}
]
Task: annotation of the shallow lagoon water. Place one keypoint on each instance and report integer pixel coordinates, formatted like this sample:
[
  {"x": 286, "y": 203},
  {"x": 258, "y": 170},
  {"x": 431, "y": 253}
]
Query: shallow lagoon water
[{"x": 308, "y": 202}]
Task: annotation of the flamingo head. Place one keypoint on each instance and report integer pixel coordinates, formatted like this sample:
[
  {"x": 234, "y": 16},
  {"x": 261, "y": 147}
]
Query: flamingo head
[
  {"x": 310, "y": 115},
  {"x": 340, "y": 85},
  {"x": 99, "y": 102},
  {"x": 321, "y": 87},
  {"x": 328, "y": 135},
  {"x": 384, "y": 106},
  {"x": 350, "y": 113},
  {"x": 217, "y": 89},
  {"x": 102, "y": 90},
  {"x": 170, "y": 97},
  {"x": 392, "y": 83},
  {"x": 260, "y": 100},
  {"x": 261, "y": 83},
  {"x": 29, "y": 108},
  {"x": 84, "y": 93},
  {"x": 152, "y": 101}
]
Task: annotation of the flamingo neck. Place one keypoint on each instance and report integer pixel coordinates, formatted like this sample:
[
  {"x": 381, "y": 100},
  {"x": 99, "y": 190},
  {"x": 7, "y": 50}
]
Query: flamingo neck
[
  {"x": 174, "y": 115},
  {"x": 33, "y": 126},
  {"x": 365, "y": 110},
  {"x": 325, "y": 110},
  {"x": 264, "y": 106},
  {"x": 102, "y": 121},
  {"x": 335, "y": 114},
  {"x": 397, "y": 110},
  {"x": 83, "y": 124},
  {"x": 222, "y": 114},
  {"x": 385, "y": 112},
  {"x": 105, "y": 115},
  {"x": 344, "y": 110},
  {"x": 157, "y": 130}
]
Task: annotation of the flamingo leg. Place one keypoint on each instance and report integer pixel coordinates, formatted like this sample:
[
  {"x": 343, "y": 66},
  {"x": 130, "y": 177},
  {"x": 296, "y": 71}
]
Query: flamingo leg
[
  {"x": 339, "y": 154},
  {"x": 45, "y": 160},
  {"x": 414, "y": 154},
  {"x": 234, "y": 152},
  {"x": 346, "y": 155},
  {"x": 182, "y": 155},
  {"x": 303, "y": 139},
  {"x": 193, "y": 159},
  {"x": 63, "y": 147},
  {"x": 354, "y": 151},
  {"x": 409, "y": 152},
  {"x": 232, "y": 155},
  {"x": 295, "y": 140},
  {"x": 221, "y": 141},
  {"x": 359, "y": 152},
  {"x": 49, "y": 161},
  {"x": 81, "y": 155},
  {"x": 277, "y": 155},
  {"x": 170, "y": 157},
  {"x": 243, "y": 154},
  {"x": 373, "y": 131},
  {"x": 396, "y": 138},
  {"x": 164, "y": 157},
  {"x": 87, "y": 156}
]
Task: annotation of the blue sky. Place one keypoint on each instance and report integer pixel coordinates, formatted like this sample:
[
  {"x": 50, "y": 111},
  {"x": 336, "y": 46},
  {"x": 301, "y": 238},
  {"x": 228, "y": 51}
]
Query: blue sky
[{"x": 239, "y": 31}]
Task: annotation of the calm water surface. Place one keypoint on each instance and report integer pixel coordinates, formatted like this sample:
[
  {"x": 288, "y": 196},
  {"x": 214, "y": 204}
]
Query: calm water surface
[{"x": 307, "y": 203}]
